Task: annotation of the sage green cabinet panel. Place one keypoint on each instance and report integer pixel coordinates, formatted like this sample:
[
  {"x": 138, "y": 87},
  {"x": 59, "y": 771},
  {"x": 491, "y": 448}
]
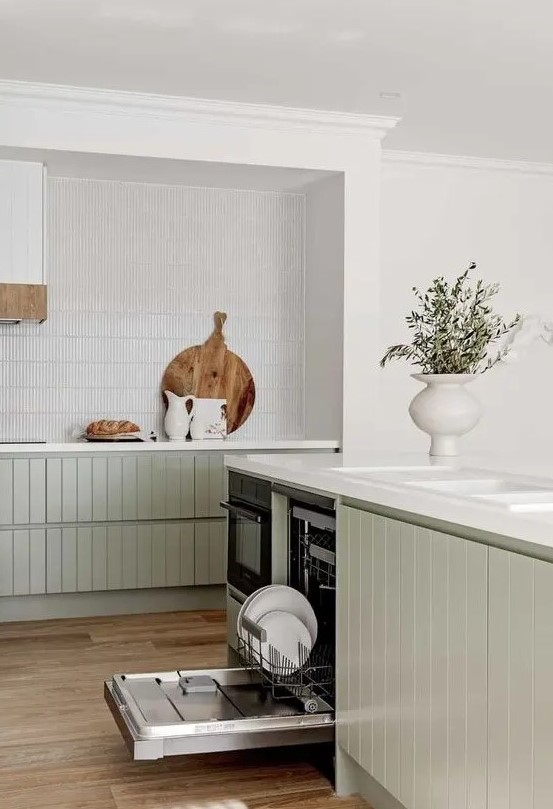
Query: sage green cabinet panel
[
  {"x": 6, "y": 563},
  {"x": 99, "y": 558},
  {"x": 69, "y": 471},
  {"x": 118, "y": 557},
  {"x": 37, "y": 561},
  {"x": 22, "y": 562},
  {"x": 412, "y": 667},
  {"x": 22, "y": 487},
  {"x": 115, "y": 488},
  {"x": 37, "y": 490},
  {"x": 53, "y": 560},
  {"x": 69, "y": 560},
  {"x": 210, "y": 552},
  {"x": 520, "y": 715},
  {"x": 84, "y": 559},
  {"x": 6, "y": 488},
  {"x": 115, "y": 557},
  {"x": 84, "y": 489},
  {"x": 210, "y": 485},
  {"x": 129, "y": 557},
  {"x": 149, "y": 487}
]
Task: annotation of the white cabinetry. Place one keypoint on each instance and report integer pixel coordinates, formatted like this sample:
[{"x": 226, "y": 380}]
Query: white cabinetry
[{"x": 21, "y": 222}]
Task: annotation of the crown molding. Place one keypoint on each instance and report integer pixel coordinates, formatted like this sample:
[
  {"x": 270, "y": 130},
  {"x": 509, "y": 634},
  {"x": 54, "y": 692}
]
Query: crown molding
[
  {"x": 431, "y": 160},
  {"x": 192, "y": 110}
]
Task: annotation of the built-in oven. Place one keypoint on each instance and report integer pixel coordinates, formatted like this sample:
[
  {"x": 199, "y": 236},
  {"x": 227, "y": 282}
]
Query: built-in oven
[{"x": 249, "y": 533}]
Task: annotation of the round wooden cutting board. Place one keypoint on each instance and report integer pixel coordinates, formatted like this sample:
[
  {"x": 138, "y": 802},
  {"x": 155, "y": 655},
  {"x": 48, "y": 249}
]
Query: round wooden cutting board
[{"x": 211, "y": 371}]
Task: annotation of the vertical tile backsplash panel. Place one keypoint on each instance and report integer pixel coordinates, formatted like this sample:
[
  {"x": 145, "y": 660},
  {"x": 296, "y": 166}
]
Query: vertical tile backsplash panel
[{"x": 135, "y": 272}]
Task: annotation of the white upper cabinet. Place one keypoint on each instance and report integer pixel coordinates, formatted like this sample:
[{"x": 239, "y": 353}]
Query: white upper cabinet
[{"x": 21, "y": 222}]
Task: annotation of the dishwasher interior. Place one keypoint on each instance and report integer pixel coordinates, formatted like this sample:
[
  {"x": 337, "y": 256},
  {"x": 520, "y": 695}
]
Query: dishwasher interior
[{"x": 266, "y": 701}]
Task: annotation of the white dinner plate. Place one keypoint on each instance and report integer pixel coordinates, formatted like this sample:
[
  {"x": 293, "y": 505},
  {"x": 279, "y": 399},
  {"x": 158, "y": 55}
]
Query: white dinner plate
[
  {"x": 288, "y": 636},
  {"x": 279, "y": 597},
  {"x": 244, "y": 607}
]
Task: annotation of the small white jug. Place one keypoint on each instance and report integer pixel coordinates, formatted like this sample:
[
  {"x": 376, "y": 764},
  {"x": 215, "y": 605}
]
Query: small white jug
[{"x": 177, "y": 417}]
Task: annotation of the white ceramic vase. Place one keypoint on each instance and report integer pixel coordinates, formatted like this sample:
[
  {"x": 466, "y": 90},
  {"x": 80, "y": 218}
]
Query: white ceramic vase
[{"x": 445, "y": 410}]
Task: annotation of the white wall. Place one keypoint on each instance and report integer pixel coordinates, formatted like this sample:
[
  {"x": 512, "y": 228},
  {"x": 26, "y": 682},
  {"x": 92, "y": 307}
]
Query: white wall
[
  {"x": 135, "y": 272},
  {"x": 37, "y": 116},
  {"x": 435, "y": 219},
  {"x": 324, "y": 308}
]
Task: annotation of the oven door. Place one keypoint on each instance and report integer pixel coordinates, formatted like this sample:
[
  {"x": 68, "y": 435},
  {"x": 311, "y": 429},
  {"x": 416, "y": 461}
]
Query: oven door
[{"x": 249, "y": 546}]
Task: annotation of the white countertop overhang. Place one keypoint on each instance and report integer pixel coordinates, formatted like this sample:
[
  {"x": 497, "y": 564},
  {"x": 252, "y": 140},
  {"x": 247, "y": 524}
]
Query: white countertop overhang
[
  {"x": 207, "y": 445},
  {"x": 384, "y": 482}
]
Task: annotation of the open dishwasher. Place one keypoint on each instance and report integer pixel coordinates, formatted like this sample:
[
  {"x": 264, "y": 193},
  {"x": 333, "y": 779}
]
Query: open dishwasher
[{"x": 266, "y": 701}]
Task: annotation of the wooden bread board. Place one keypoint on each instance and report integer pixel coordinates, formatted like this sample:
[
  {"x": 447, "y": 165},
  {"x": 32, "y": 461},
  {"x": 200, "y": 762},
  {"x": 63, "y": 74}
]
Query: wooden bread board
[{"x": 211, "y": 371}]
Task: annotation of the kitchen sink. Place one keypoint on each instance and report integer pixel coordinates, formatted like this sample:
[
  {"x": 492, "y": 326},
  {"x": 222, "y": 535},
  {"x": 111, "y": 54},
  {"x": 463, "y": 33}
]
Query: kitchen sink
[
  {"x": 521, "y": 501},
  {"x": 475, "y": 487}
]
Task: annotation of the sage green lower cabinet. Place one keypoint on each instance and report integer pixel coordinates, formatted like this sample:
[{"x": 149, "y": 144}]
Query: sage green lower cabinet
[
  {"x": 210, "y": 548},
  {"x": 113, "y": 557},
  {"x": 412, "y": 660},
  {"x": 520, "y": 720},
  {"x": 22, "y": 562}
]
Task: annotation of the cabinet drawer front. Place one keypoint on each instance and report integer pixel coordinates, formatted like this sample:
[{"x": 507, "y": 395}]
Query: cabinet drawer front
[
  {"x": 22, "y": 562},
  {"x": 104, "y": 489},
  {"x": 23, "y": 487},
  {"x": 210, "y": 545},
  {"x": 109, "y": 557},
  {"x": 210, "y": 484}
]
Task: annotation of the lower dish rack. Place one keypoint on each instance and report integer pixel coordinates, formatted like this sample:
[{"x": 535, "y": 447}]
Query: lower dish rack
[{"x": 308, "y": 680}]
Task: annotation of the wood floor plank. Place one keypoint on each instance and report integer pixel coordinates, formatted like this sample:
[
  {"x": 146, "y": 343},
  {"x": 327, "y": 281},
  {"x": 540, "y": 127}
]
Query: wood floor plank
[{"x": 59, "y": 745}]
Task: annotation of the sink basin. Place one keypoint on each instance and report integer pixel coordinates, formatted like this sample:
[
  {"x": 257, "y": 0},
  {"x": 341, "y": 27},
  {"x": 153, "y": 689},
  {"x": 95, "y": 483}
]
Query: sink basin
[
  {"x": 473, "y": 487},
  {"x": 521, "y": 501}
]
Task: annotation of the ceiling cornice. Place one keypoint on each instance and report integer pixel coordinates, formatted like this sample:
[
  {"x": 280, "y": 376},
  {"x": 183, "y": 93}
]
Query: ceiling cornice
[
  {"x": 393, "y": 157},
  {"x": 193, "y": 110}
]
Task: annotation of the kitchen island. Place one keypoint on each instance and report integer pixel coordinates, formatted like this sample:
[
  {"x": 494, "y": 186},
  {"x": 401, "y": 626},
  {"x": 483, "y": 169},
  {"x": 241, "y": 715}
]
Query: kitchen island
[{"x": 444, "y": 657}]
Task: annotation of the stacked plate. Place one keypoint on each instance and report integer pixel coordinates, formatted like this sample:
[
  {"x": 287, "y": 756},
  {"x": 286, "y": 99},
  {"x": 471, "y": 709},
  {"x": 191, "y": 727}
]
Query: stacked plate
[{"x": 290, "y": 626}]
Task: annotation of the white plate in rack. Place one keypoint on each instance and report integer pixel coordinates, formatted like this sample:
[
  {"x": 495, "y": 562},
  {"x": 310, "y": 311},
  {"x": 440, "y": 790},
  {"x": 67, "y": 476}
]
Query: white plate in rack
[
  {"x": 288, "y": 643},
  {"x": 278, "y": 598}
]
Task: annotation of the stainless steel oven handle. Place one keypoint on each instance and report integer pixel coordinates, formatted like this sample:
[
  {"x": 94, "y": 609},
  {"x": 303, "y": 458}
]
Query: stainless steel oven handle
[{"x": 243, "y": 512}]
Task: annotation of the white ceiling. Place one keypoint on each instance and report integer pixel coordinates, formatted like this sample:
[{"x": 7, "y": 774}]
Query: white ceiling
[{"x": 475, "y": 75}]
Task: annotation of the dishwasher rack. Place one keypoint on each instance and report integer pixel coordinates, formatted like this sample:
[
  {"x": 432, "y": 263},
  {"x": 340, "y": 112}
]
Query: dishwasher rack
[{"x": 310, "y": 683}]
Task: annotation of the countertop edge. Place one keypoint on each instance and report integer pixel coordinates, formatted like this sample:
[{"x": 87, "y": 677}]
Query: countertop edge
[
  {"x": 501, "y": 528},
  {"x": 228, "y": 445}
]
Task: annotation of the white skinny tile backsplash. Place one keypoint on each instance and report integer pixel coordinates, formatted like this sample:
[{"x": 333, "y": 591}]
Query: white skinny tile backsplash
[{"x": 135, "y": 272}]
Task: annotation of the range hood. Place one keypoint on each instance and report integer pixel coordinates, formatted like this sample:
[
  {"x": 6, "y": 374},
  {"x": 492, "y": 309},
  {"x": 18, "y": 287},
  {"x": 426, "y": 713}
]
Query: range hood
[{"x": 23, "y": 302}]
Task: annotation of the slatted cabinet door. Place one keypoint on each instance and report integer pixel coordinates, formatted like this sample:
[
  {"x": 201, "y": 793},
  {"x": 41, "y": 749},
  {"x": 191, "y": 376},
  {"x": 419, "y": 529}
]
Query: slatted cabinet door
[
  {"x": 520, "y": 717},
  {"x": 22, "y": 562},
  {"x": 210, "y": 548},
  {"x": 153, "y": 486},
  {"x": 412, "y": 660},
  {"x": 23, "y": 491},
  {"x": 108, "y": 557}
]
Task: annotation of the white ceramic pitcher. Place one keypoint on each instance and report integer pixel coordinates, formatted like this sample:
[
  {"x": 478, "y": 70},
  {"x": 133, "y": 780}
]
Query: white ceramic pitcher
[{"x": 177, "y": 417}]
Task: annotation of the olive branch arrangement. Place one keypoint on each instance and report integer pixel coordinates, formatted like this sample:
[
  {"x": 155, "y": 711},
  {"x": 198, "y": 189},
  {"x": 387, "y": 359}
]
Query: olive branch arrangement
[{"x": 453, "y": 328}]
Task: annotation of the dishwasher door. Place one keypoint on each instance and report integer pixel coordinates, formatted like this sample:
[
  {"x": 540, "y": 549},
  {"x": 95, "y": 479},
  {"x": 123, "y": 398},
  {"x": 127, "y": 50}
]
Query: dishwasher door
[{"x": 182, "y": 712}]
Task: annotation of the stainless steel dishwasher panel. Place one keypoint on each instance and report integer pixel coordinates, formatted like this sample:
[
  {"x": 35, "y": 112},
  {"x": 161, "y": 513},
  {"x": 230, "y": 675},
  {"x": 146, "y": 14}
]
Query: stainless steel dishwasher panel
[{"x": 157, "y": 719}]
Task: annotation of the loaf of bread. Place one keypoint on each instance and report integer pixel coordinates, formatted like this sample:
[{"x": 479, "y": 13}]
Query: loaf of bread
[{"x": 110, "y": 427}]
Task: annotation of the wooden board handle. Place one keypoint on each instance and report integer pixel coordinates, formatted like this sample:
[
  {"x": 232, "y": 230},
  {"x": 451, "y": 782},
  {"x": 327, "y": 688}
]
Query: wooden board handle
[{"x": 219, "y": 318}]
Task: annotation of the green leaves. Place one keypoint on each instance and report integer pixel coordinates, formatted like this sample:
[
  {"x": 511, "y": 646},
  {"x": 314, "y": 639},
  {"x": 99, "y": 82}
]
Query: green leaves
[{"x": 453, "y": 328}]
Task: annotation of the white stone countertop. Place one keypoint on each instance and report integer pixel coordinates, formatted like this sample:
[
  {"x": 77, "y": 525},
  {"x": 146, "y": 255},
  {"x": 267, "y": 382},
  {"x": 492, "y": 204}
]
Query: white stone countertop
[
  {"x": 390, "y": 481},
  {"x": 207, "y": 445}
]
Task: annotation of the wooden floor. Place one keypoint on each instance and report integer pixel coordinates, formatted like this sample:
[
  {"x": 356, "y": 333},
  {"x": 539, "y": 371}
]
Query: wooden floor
[{"x": 61, "y": 749}]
